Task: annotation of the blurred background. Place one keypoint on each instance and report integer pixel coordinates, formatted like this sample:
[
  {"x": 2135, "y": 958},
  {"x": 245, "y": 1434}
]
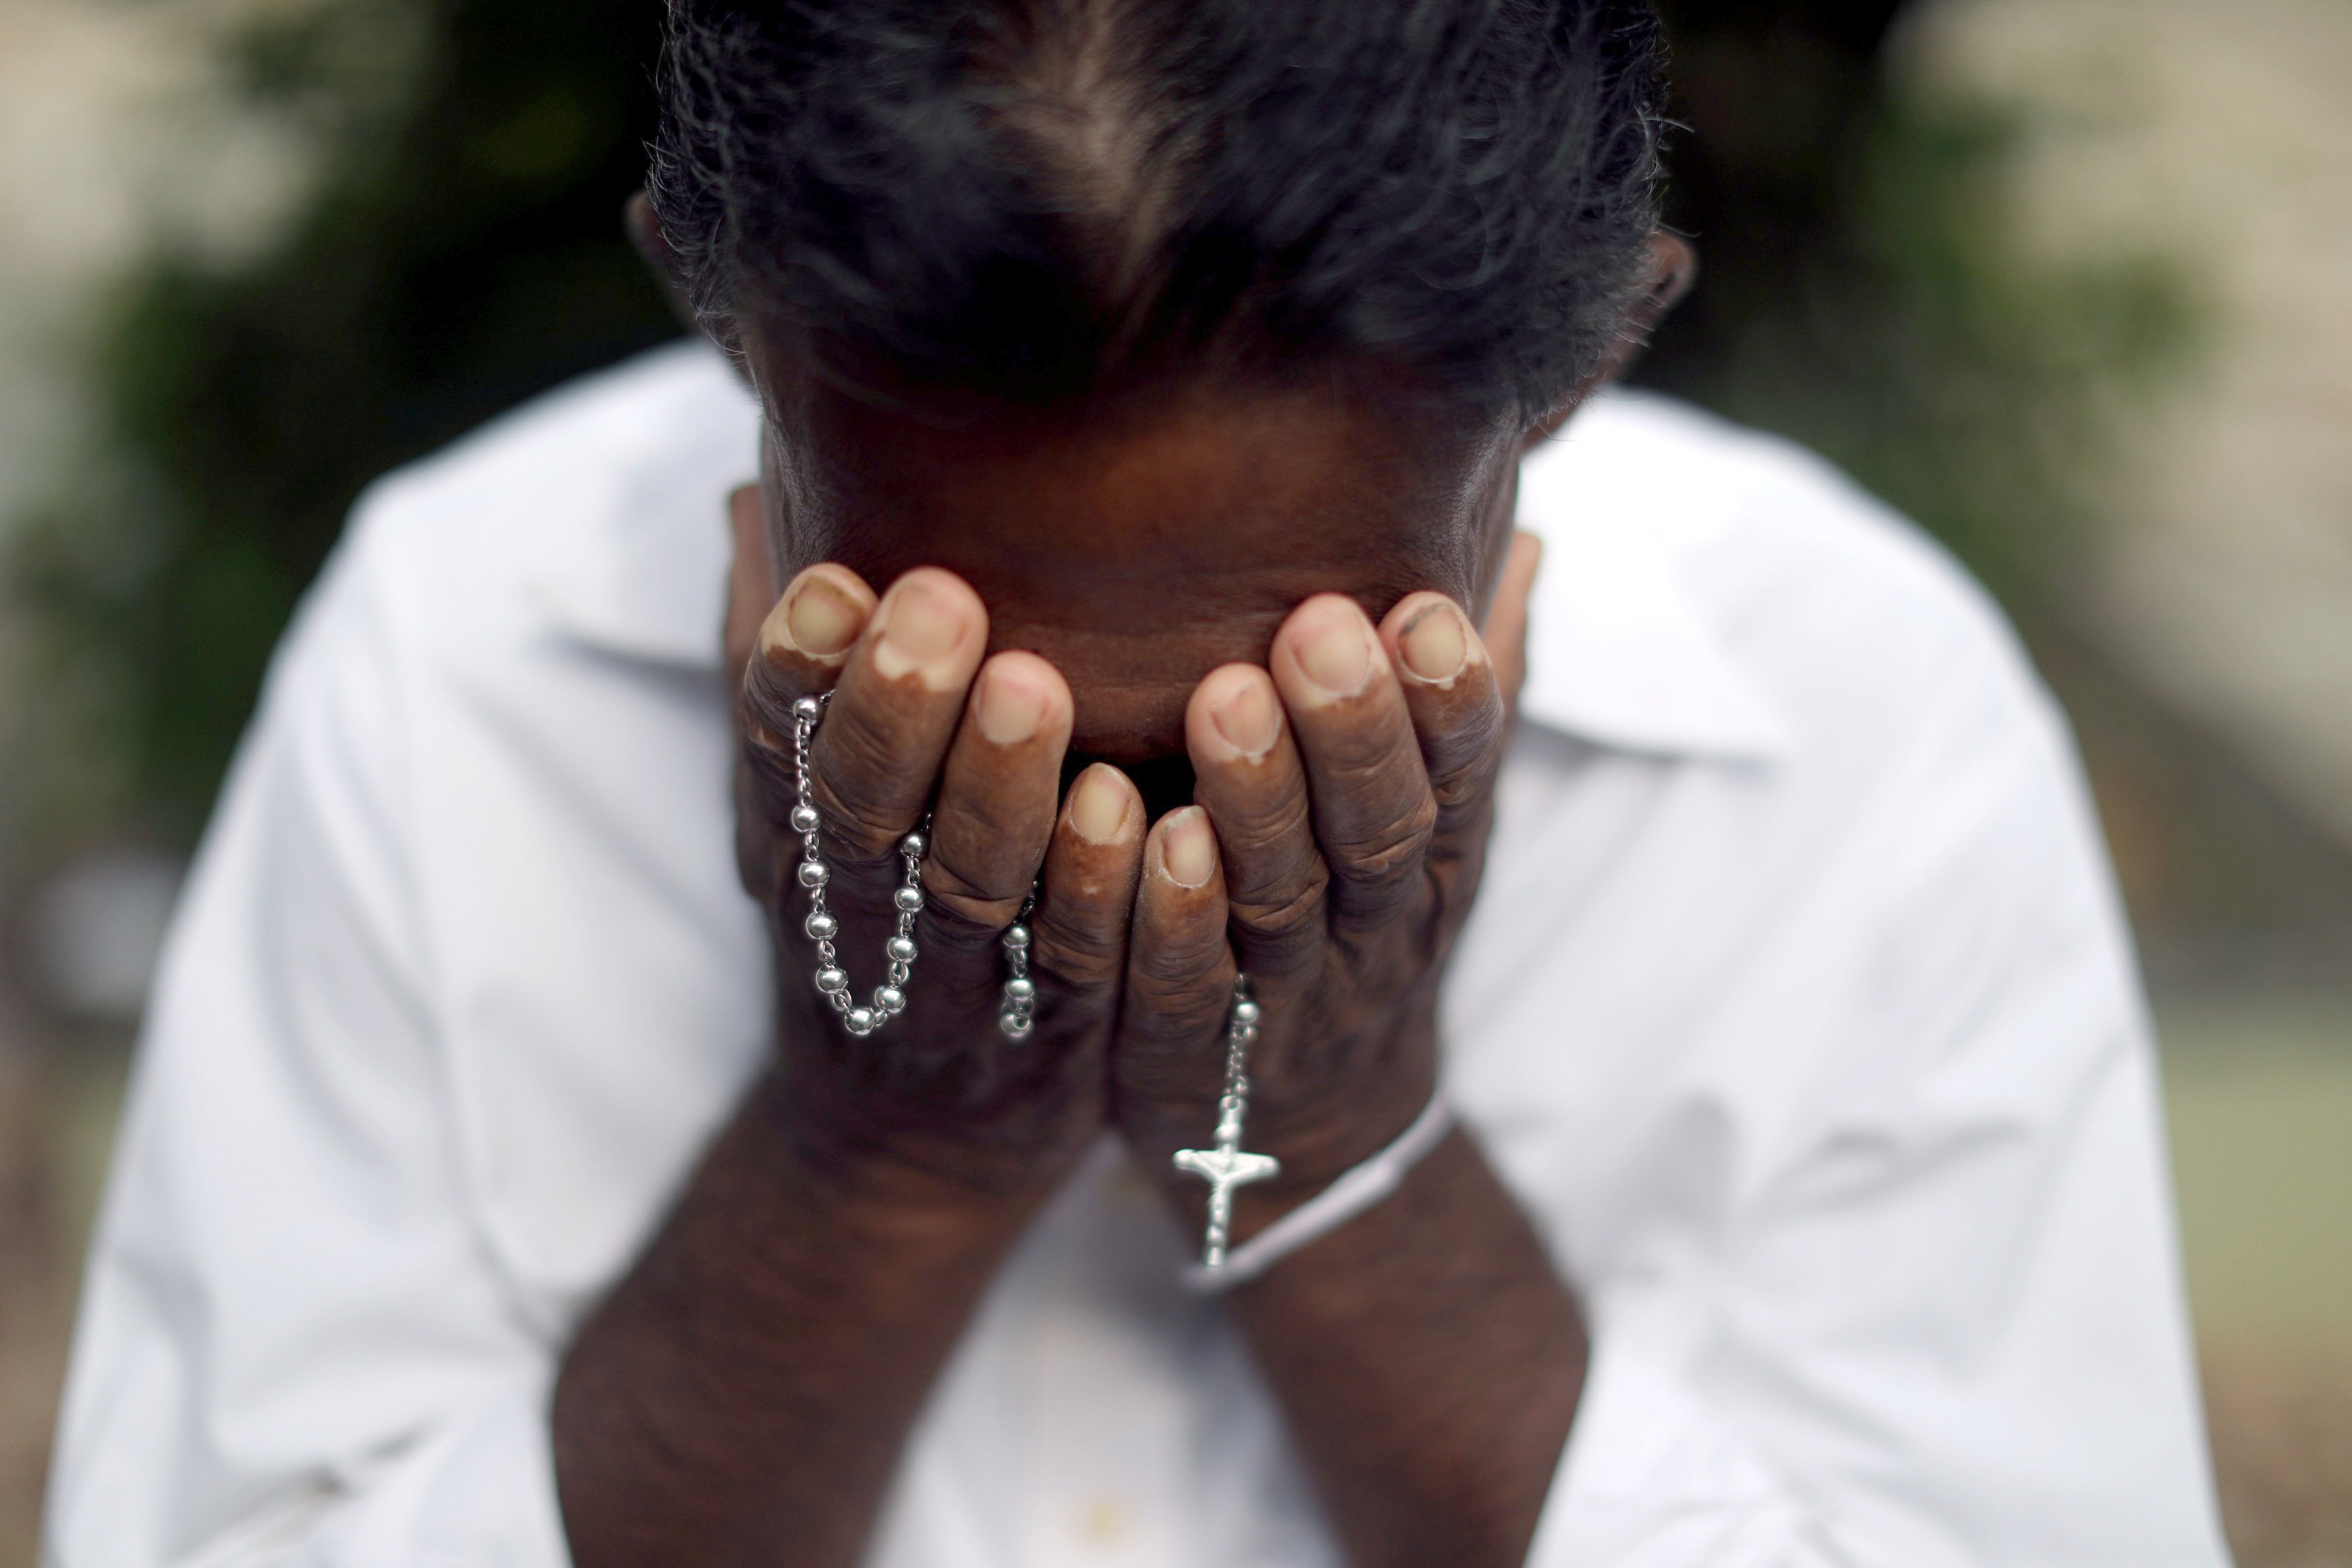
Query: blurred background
[{"x": 2070, "y": 281}]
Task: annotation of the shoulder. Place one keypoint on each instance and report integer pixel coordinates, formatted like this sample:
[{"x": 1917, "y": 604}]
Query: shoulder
[
  {"x": 659, "y": 411},
  {"x": 514, "y": 656},
  {"x": 1844, "y": 623},
  {"x": 521, "y": 631},
  {"x": 593, "y": 513}
]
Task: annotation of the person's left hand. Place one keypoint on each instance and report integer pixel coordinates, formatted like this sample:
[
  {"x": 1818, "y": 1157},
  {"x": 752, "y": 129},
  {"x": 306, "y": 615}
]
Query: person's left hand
[{"x": 1345, "y": 795}]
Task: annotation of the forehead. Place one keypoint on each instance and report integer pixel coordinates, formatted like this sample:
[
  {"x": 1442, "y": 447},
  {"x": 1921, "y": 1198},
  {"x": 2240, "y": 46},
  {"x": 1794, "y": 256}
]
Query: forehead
[
  {"x": 1137, "y": 541},
  {"x": 1204, "y": 483}
]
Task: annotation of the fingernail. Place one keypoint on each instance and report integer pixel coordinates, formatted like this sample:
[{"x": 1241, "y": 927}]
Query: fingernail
[
  {"x": 1188, "y": 850},
  {"x": 1098, "y": 805},
  {"x": 1011, "y": 705},
  {"x": 819, "y": 618},
  {"x": 1436, "y": 642},
  {"x": 1249, "y": 719},
  {"x": 920, "y": 627},
  {"x": 1334, "y": 649}
]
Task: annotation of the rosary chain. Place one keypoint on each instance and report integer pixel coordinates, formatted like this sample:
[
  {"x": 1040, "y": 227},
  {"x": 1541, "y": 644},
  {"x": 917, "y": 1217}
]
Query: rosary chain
[
  {"x": 1233, "y": 1105},
  {"x": 1227, "y": 1166},
  {"x": 1018, "y": 1015},
  {"x": 889, "y": 998}
]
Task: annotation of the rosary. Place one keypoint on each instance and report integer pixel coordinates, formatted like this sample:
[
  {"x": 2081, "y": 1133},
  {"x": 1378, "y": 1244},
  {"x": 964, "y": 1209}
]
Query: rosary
[{"x": 1226, "y": 1167}]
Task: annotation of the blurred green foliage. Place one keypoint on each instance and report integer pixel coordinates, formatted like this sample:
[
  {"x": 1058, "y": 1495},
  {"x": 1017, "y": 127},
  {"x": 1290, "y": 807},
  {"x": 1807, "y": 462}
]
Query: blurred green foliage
[
  {"x": 464, "y": 251},
  {"x": 1860, "y": 293}
]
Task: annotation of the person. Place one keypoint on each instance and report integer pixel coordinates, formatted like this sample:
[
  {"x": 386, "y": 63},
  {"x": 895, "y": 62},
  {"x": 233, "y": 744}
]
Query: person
[{"x": 1672, "y": 999}]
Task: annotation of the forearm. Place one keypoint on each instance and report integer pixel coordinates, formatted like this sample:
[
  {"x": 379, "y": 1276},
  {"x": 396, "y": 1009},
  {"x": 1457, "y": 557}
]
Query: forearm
[
  {"x": 743, "y": 1393},
  {"x": 1429, "y": 1361}
]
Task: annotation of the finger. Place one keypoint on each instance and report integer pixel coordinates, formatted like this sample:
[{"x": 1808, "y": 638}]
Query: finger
[
  {"x": 802, "y": 642},
  {"x": 797, "y": 644},
  {"x": 751, "y": 579},
  {"x": 1179, "y": 973},
  {"x": 1248, "y": 775},
  {"x": 1372, "y": 809},
  {"x": 894, "y": 710},
  {"x": 1451, "y": 689},
  {"x": 998, "y": 800},
  {"x": 1086, "y": 900},
  {"x": 1507, "y": 618}
]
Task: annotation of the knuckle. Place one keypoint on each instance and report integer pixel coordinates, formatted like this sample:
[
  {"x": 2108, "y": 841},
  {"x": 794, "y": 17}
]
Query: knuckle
[
  {"x": 1377, "y": 882},
  {"x": 1085, "y": 962},
  {"x": 1391, "y": 852},
  {"x": 1181, "y": 972},
  {"x": 971, "y": 898},
  {"x": 1263, "y": 844},
  {"x": 1462, "y": 773},
  {"x": 1262, "y": 808},
  {"x": 860, "y": 834},
  {"x": 1455, "y": 788},
  {"x": 1171, "y": 978},
  {"x": 1081, "y": 937},
  {"x": 957, "y": 927},
  {"x": 1277, "y": 929},
  {"x": 1080, "y": 942},
  {"x": 1460, "y": 800},
  {"x": 1188, "y": 1013},
  {"x": 1362, "y": 757}
]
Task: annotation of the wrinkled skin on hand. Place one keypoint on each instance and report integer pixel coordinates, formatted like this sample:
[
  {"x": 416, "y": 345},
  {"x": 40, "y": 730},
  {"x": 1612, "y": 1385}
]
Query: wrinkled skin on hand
[
  {"x": 1349, "y": 784},
  {"x": 1344, "y": 795},
  {"x": 919, "y": 724}
]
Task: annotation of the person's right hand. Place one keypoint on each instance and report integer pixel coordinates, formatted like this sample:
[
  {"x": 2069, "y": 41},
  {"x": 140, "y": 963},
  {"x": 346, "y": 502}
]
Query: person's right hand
[{"x": 915, "y": 709}]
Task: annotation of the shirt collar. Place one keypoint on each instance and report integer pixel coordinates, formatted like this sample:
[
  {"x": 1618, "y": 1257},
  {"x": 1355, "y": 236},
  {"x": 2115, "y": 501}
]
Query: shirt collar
[
  {"x": 1619, "y": 653},
  {"x": 668, "y": 436}
]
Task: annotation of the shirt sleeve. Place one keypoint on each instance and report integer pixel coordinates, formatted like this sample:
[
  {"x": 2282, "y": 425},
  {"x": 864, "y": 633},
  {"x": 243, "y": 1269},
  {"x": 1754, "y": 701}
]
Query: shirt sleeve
[
  {"x": 295, "y": 1346},
  {"x": 1938, "y": 1320}
]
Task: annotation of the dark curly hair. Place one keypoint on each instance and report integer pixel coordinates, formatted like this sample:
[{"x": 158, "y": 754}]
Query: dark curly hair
[{"x": 1032, "y": 197}]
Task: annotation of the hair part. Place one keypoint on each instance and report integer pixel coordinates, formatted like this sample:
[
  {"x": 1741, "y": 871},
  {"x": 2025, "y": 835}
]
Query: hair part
[{"x": 1029, "y": 198}]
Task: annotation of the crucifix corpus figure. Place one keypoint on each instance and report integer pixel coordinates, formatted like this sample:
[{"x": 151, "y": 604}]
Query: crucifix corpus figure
[{"x": 1228, "y": 1165}]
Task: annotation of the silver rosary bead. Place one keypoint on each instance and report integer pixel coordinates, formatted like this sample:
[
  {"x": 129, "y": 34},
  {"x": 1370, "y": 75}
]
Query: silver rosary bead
[
  {"x": 889, "y": 998},
  {"x": 1228, "y": 1167},
  {"x": 1018, "y": 1015}
]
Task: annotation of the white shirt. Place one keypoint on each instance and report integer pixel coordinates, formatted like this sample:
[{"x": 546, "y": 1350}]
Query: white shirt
[{"x": 1797, "y": 1011}]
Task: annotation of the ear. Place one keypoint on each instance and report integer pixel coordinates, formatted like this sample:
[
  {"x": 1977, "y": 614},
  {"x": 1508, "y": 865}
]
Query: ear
[
  {"x": 637, "y": 216},
  {"x": 1674, "y": 268}
]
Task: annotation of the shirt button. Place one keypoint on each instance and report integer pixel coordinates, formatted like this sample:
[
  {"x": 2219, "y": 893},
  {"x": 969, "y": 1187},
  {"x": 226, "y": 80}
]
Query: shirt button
[{"x": 1105, "y": 1521}]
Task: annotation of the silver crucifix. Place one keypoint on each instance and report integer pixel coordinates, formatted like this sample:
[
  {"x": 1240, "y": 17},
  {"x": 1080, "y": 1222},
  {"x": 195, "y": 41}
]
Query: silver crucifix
[{"x": 1228, "y": 1165}]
